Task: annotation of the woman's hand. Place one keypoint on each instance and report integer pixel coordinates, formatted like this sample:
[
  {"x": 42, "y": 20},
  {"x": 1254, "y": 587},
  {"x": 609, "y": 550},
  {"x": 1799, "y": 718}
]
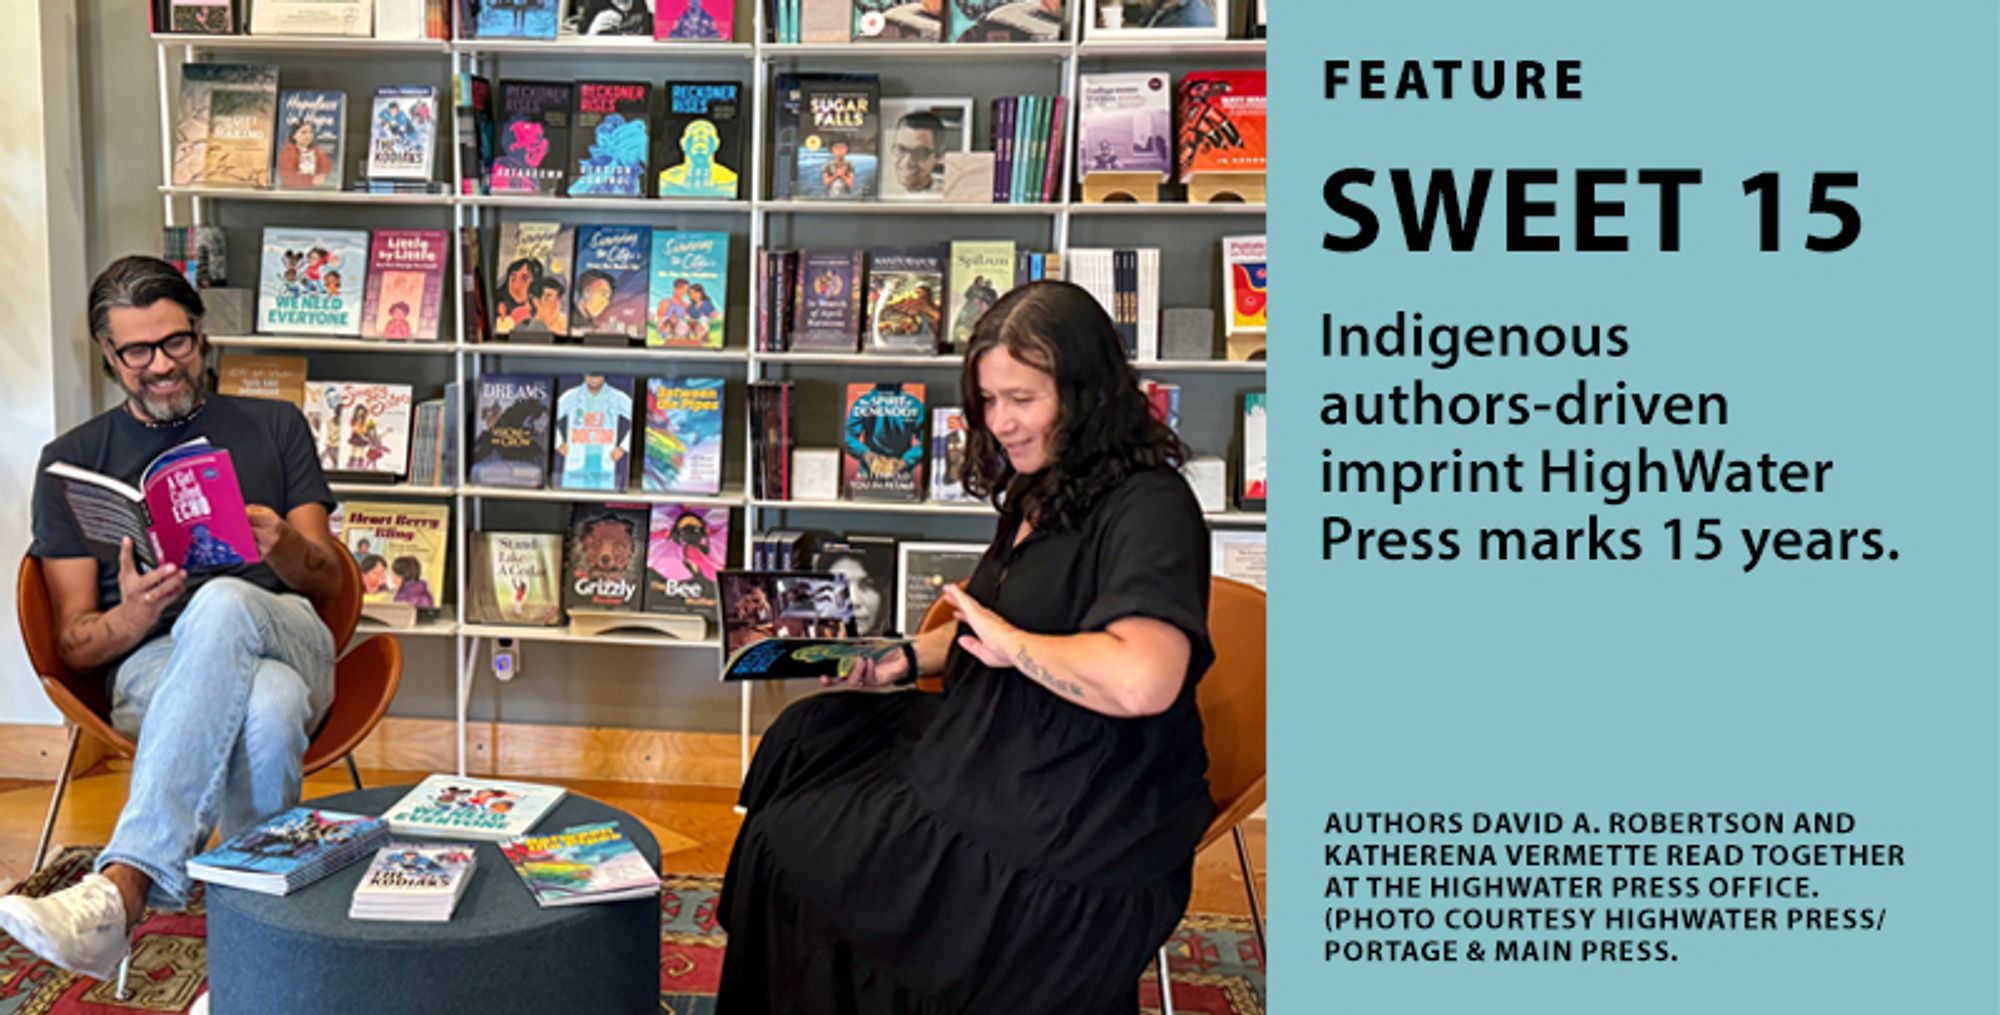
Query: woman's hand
[
  {"x": 993, "y": 640},
  {"x": 866, "y": 672}
]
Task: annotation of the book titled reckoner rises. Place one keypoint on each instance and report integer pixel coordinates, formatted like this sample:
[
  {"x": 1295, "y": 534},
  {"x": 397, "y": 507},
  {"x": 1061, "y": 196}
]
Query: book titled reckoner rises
[{"x": 488, "y": 810}]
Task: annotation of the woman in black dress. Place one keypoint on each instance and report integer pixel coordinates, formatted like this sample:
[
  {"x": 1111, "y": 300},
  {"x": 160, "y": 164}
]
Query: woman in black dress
[{"x": 1023, "y": 842}]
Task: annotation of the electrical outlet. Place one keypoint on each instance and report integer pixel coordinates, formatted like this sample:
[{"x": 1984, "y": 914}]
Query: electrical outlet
[{"x": 506, "y": 663}]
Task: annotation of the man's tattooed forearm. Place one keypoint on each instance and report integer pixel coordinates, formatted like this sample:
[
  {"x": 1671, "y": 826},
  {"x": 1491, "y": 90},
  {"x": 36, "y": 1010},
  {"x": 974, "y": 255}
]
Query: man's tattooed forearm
[{"x": 1029, "y": 666}]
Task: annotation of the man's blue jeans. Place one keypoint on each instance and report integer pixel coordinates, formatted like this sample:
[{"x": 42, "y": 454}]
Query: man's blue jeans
[{"x": 225, "y": 703}]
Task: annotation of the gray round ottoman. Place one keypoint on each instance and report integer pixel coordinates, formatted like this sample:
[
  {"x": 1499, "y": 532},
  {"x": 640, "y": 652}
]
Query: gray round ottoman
[{"x": 300, "y": 955}]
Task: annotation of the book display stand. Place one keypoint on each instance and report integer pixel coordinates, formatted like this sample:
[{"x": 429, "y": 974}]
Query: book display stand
[{"x": 1093, "y": 211}]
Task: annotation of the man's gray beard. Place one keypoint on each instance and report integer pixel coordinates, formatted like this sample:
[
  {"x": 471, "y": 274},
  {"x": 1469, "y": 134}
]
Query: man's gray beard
[{"x": 167, "y": 410}]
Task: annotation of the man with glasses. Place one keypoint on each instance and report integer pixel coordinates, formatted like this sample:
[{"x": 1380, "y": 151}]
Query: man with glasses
[
  {"x": 220, "y": 674},
  {"x": 918, "y": 151}
]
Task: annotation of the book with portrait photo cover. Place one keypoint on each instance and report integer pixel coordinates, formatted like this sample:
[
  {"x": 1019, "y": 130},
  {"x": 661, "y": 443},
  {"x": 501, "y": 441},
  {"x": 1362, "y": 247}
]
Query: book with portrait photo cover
[
  {"x": 789, "y": 624},
  {"x": 187, "y": 509}
]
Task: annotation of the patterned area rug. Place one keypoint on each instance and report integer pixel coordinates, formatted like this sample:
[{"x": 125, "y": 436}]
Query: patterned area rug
[{"x": 1214, "y": 960}]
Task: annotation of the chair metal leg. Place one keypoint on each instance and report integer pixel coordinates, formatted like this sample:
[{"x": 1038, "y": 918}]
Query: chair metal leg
[
  {"x": 354, "y": 773},
  {"x": 1166, "y": 985},
  {"x": 1250, "y": 888},
  {"x": 124, "y": 993},
  {"x": 55, "y": 798}
]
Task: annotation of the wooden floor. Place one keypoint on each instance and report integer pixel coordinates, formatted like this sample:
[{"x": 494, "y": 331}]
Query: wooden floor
[{"x": 699, "y": 819}]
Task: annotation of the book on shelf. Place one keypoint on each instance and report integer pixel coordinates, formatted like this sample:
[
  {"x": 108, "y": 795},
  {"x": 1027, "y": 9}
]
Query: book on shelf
[
  {"x": 402, "y": 133},
  {"x": 883, "y": 441},
  {"x": 472, "y": 103},
  {"x": 400, "y": 549},
  {"x": 1238, "y": 554},
  {"x": 839, "y": 140},
  {"x": 868, "y": 564},
  {"x": 581, "y": 865},
  {"x": 311, "y": 281},
  {"x": 362, "y": 429},
  {"x": 1037, "y": 265},
  {"x": 771, "y": 438},
  {"x": 223, "y": 126},
  {"x": 815, "y": 474},
  {"x": 777, "y": 279},
  {"x": 1250, "y": 491},
  {"x": 282, "y": 378},
  {"x": 609, "y": 139},
  {"x": 1208, "y": 477},
  {"x": 787, "y": 111},
  {"x": 517, "y": 578},
  {"x": 201, "y": 17},
  {"x": 510, "y": 436},
  {"x": 917, "y": 132},
  {"x": 312, "y": 133},
  {"x": 687, "y": 547},
  {"x": 200, "y": 252},
  {"x": 431, "y": 439},
  {"x": 400, "y": 20},
  {"x": 1222, "y": 122},
  {"x": 514, "y": 19},
  {"x": 923, "y": 570},
  {"x": 463, "y": 807},
  {"x": 782, "y": 550},
  {"x": 683, "y": 442},
  {"x": 288, "y": 851},
  {"x": 605, "y": 560},
  {"x": 781, "y": 602},
  {"x": 1164, "y": 401},
  {"x": 474, "y": 319},
  {"x": 896, "y": 21},
  {"x": 823, "y": 21},
  {"x": 1006, "y": 20},
  {"x": 905, "y": 300},
  {"x": 612, "y": 266},
  {"x": 695, "y": 20},
  {"x": 949, "y": 438},
  {"x": 405, "y": 284},
  {"x": 981, "y": 270},
  {"x": 313, "y": 17},
  {"x": 416, "y": 881},
  {"x": 592, "y": 432},
  {"x": 1142, "y": 20},
  {"x": 829, "y": 301},
  {"x": 689, "y": 293},
  {"x": 186, "y": 509},
  {"x": 532, "y": 147},
  {"x": 1002, "y": 125},
  {"x": 1126, "y": 283},
  {"x": 700, "y": 147},
  {"x": 607, "y": 18},
  {"x": 532, "y": 281},
  {"x": 1244, "y": 264},
  {"x": 1125, "y": 123}
]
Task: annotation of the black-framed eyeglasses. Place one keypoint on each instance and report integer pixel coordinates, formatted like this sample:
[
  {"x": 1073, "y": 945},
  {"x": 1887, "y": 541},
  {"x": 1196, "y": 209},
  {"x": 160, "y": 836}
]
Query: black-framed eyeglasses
[
  {"x": 917, "y": 154},
  {"x": 139, "y": 355}
]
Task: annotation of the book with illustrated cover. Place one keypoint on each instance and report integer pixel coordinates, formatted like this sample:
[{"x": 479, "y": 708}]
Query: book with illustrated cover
[
  {"x": 788, "y": 96},
  {"x": 360, "y": 427},
  {"x": 514, "y": 19},
  {"x": 1244, "y": 270},
  {"x": 981, "y": 272},
  {"x": 592, "y": 432},
  {"x": 761, "y": 604},
  {"x": 797, "y": 658},
  {"x": 472, "y": 103},
  {"x": 1222, "y": 122},
  {"x": 1153, "y": 20},
  {"x": 581, "y": 864},
  {"x": 839, "y": 133},
  {"x": 187, "y": 510},
  {"x": 405, "y": 284},
  {"x": 254, "y": 376},
  {"x": 1250, "y": 492},
  {"x": 883, "y": 442},
  {"x": 400, "y": 548},
  {"x": 531, "y": 281},
  {"x": 517, "y": 577},
  {"x": 311, "y": 281},
  {"x": 312, "y": 132},
  {"x": 1125, "y": 123},
  {"x": 695, "y": 20},
  {"x": 313, "y": 17},
  {"x": 612, "y": 266},
  {"x": 948, "y": 444},
  {"x": 223, "y": 129},
  {"x": 402, "y": 132},
  {"x": 905, "y": 301},
  {"x": 701, "y": 140},
  {"x": 687, "y": 547},
  {"x": 868, "y": 563},
  {"x": 683, "y": 443},
  {"x": 200, "y": 252},
  {"x": 531, "y": 153},
  {"x": 831, "y": 298},
  {"x": 462, "y": 807},
  {"x": 608, "y": 17},
  {"x": 202, "y": 17},
  {"x": 609, "y": 139},
  {"x": 924, "y": 569},
  {"x": 289, "y": 851},
  {"x": 690, "y": 290},
  {"x": 895, "y": 21},
  {"x": 605, "y": 560},
  {"x": 510, "y": 437},
  {"x": 418, "y": 881},
  {"x": 1004, "y": 21}
]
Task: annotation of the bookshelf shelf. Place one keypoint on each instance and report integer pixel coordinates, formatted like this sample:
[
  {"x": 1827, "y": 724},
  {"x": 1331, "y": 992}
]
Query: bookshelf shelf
[
  {"x": 631, "y": 354},
  {"x": 1166, "y": 209},
  {"x": 1236, "y": 519},
  {"x": 588, "y": 204},
  {"x": 306, "y": 196},
  {"x": 347, "y": 488},
  {"x": 876, "y": 507},
  {"x": 728, "y": 498},
  {"x": 442, "y": 627},
  {"x": 1148, "y": 49},
  {"x": 322, "y": 343},
  {"x": 562, "y": 634},
  {"x": 860, "y": 359},
  {"x": 1199, "y": 366},
  {"x": 342, "y": 44},
  {"x": 998, "y": 52},
  {"x": 904, "y": 208},
  {"x": 564, "y": 48}
]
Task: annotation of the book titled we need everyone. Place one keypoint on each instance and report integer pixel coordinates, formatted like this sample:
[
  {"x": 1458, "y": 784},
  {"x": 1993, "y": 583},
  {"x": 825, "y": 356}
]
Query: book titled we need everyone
[
  {"x": 283, "y": 854},
  {"x": 584, "y": 863},
  {"x": 459, "y": 807},
  {"x": 187, "y": 510}
]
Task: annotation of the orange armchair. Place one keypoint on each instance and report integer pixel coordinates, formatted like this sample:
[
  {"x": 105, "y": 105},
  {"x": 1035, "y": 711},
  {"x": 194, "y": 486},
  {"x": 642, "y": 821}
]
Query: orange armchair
[{"x": 365, "y": 679}]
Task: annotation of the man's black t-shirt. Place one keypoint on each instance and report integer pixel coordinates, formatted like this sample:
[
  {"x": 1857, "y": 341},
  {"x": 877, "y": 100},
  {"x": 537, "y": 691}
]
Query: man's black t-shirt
[{"x": 268, "y": 442}]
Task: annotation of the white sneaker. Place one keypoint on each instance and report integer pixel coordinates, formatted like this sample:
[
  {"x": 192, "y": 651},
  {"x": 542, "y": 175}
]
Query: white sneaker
[{"x": 81, "y": 928}]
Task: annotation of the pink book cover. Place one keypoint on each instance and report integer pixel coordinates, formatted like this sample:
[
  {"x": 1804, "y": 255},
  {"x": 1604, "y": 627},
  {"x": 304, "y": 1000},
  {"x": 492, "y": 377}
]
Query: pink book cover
[
  {"x": 405, "y": 284},
  {"x": 197, "y": 513},
  {"x": 695, "y": 21}
]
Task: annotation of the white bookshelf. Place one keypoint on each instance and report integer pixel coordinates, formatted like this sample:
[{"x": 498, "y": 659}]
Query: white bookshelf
[
  {"x": 340, "y": 45},
  {"x": 629, "y": 354},
  {"x": 304, "y": 196}
]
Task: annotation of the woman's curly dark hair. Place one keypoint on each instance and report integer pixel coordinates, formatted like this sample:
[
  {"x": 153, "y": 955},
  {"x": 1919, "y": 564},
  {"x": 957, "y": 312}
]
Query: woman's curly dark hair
[{"x": 1104, "y": 429}]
